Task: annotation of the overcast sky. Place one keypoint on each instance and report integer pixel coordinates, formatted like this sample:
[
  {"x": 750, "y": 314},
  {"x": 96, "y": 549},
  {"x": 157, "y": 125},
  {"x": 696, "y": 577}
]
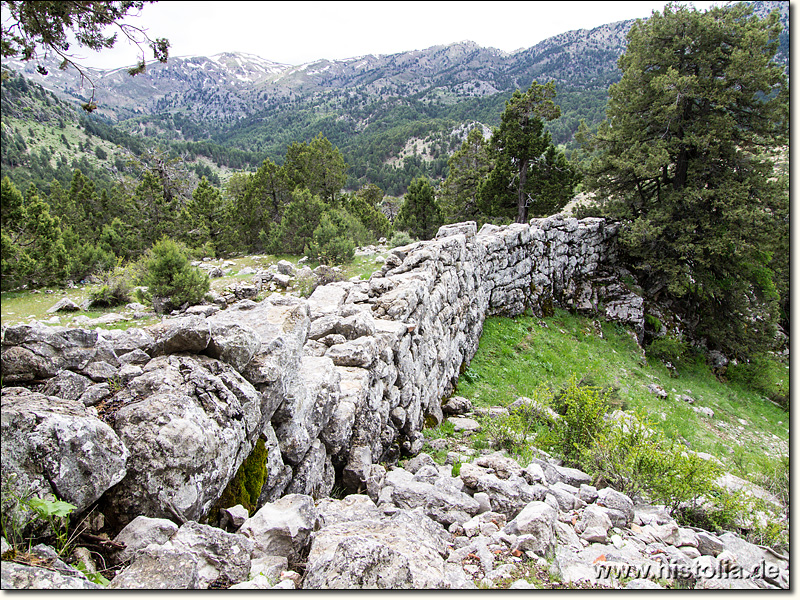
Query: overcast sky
[{"x": 298, "y": 32}]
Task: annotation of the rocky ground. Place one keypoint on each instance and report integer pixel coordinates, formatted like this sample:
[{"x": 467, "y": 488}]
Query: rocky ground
[{"x": 496, "y": 524}]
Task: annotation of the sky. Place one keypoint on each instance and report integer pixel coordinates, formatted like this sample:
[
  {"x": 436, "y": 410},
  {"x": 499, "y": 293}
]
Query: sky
[{"x": 295, "y": 33}]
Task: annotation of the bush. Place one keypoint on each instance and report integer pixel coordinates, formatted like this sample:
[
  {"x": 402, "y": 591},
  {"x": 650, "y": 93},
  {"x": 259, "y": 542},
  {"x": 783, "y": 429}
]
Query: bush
[
  {"x": 638, "y": 460},
  {"x": 400, "y": 238},
  {"x": 334, "y": 240},
  {"x": 582, "y": 408},
  {"x": 764, "y": 375},
  {"x": 170, "y": 278},
  {"x": 668, "y": 349},
  {"x": 114, "y": 291}
]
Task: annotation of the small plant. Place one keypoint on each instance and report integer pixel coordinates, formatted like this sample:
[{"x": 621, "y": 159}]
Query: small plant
[
  {"x": 56, "y": 515},
  {"x": 668, "y": 349},
  {"x": 115, "y": 289},
  {"x": 400, "y": 238},
  {"x": 582, "y": 408},
  {"x": 22, "y": 512}
]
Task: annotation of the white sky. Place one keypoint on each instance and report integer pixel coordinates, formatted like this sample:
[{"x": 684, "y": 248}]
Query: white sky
[{"x": 299, "y": 32}]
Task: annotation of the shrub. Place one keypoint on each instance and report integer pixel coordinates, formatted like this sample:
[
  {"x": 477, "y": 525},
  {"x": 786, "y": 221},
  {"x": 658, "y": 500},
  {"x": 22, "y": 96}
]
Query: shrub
[
  {"x": 400, "y": 238},
  {"x": 114, "y": 291},
  {"x": 168, "y": 275},
  {"x": 638, "y": 460},
  {"x": 764, "y": 375},
  {"x": 334, "y": 240},
  {"x": 668, "y": 349},
  {"x": 582, "y": 408}
]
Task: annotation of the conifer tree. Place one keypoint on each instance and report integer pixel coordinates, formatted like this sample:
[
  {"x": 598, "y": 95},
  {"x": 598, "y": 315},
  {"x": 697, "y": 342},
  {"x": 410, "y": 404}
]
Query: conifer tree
[
  {"x": 529, "y": 174},
  {"x": 420, "y": 214},
  {"x": 33, "y": 252},
  {"x": 683, "y": 161},
  {"x": 467, "y": 170}
]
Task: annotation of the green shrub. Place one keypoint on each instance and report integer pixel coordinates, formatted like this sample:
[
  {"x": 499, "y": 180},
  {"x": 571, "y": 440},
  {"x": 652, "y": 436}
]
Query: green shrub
[
  {"x": 335, "y": 239},
  {"x": 115, "y": 290},
  {"x": 400, "y": 238},
  {"x": 668, "y": 349},
  {"x": 168, "y": 275},
  {"x": 638, "y": 460},
  {"x": 764, "y": 375},
  {"x": 582, "y": 408}
]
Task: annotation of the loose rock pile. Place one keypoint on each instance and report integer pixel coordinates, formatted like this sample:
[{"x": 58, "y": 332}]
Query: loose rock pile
[{"x": 496, "y": 524}]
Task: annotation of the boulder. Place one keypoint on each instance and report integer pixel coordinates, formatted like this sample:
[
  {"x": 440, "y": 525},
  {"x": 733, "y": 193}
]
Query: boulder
[
  {"x": 283, "y": 527},
  {"x": 538, "y": 520},
  {"x": 59, "y": 447},
  {"x": 189, "y": 422},
  {"x": 140, "y": 533},
  {"x": 16, "y": 576},
  {"x": 620, "y": 507},
  {"x": 405, "y": 551},
  {"x": 441, "y": 502}
]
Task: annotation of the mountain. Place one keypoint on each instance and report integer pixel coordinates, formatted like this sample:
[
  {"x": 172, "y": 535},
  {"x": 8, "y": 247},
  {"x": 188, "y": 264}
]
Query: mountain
[{"x": 375, "y": 108}]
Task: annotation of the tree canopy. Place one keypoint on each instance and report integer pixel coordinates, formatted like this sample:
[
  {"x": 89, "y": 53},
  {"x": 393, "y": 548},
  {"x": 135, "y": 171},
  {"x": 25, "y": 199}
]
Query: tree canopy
[
  {"x": 683, "y": 160},
  {"x": 34, "y": 30},
  {"x": 529, "y": 173}
]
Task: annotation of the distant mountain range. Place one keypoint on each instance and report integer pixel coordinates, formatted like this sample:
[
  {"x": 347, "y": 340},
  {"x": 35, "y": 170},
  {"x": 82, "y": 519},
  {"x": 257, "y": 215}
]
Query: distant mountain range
[{"x": 261, "y": 106}]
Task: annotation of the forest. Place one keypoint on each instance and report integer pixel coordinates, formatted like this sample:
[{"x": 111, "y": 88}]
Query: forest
[{"x": 83, "y": 196}]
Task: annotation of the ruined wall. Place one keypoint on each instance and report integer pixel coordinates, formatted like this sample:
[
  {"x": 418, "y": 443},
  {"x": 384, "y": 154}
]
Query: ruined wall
[{"x": 334, "y": 384}]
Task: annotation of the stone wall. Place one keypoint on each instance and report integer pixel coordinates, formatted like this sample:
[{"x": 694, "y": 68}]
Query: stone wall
[{"x": 334, "y": 384}]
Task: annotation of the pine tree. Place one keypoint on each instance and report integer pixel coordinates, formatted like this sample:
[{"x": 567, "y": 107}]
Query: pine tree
[
  {"x": 683, "y": 160},
  {"x": 420, "y": 214},
  {"x": 33, "y": 251},
  {"x": 467, "y": 169},
  {"x": 529, "y": 175}
]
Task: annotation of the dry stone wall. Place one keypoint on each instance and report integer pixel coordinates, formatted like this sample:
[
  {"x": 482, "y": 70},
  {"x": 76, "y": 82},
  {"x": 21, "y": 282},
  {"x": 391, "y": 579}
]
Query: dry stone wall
[{"x": 334, "y": 384}]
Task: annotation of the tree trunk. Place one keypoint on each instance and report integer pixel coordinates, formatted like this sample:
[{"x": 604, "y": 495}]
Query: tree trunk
[{"x": 522, "y": 201}]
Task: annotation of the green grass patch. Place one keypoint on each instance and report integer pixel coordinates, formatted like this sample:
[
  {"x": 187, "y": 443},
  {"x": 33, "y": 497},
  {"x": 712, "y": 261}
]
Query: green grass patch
[{"x": 518, "y": 356}]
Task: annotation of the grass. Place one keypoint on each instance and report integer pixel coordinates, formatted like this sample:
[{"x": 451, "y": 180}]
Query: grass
[
  {"x": 520, "y": 355},
  {"x": 25, "y": 305}
]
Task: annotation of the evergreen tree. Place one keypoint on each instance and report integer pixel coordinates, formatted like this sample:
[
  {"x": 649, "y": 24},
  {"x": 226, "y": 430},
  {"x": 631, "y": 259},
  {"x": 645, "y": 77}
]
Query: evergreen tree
[
  {"x": 318, "y": 167},
  {"x": 300, "y": 219},
  {"x": 33, "y": 251},
  {"x": 682, "y": 163},
  {"x": 203, "y": 216},
  {"x": 171, "y": 281},
  {"x": 420, "y": 214},
  {"x": 530, "y": 175},
  {"x": 467, "y": 169}
]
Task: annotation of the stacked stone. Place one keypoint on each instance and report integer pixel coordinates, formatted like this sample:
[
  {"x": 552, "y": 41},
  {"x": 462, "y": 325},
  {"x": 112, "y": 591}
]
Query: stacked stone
[{"x": 336, "y": 383}]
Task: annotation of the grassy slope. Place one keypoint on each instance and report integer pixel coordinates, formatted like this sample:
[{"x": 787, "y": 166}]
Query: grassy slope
[{"x": 519, "y": 355}]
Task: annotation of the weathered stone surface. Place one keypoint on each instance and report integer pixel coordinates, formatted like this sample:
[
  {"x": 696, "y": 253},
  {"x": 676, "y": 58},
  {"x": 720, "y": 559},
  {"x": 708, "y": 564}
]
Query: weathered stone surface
[
  {"x": 219, "y": 554},
  {"x": 67, "y": 385},
  {"x": 538, "y": 520},
  {"x": 310, "y": 401},
  {"x": 58, "y": 448},
  {"x": 160, "y": 568},
  {"x": 24, "y": 577},
  {"x": 233, "y": 344},
  {"x": 620, "y": 507},
  {"x": 183, "y": 334},
  {"x": 283, "y": 527},
  {"x": 440, "y": 501},
  {"x": 188, "y": 422},
  {"x": 140, "y": 533},
  {"x": 401, "y": 552},
  {"x": 65, "y": 305}
]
